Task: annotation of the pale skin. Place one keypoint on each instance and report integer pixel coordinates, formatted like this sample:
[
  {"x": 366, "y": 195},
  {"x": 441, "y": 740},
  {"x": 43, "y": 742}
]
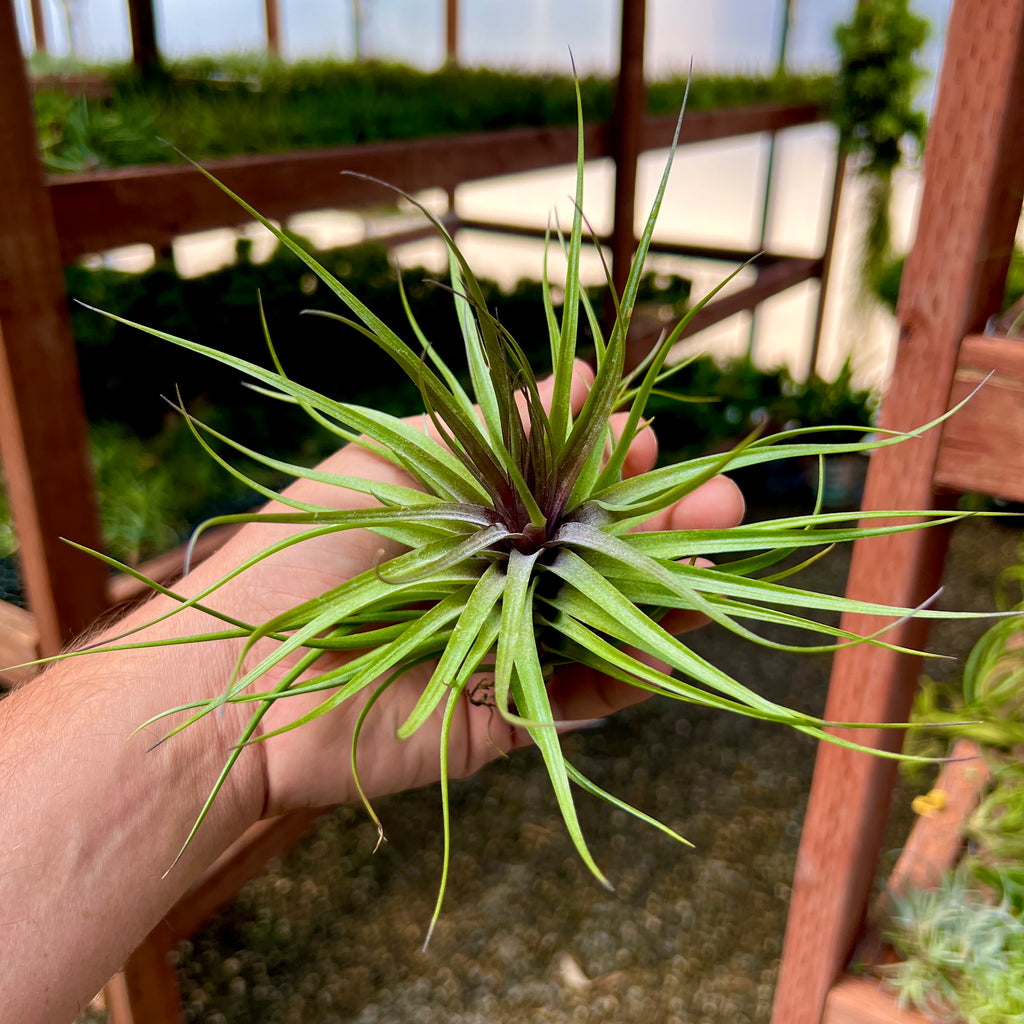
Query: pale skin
[{"x": 91, "y": 819}]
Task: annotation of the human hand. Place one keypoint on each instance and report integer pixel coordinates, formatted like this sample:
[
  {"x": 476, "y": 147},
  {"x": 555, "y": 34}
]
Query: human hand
[{"x": 310, "y": 766}]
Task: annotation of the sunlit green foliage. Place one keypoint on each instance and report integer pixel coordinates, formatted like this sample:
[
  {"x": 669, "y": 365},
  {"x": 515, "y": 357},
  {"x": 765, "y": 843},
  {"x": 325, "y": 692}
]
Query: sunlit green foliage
[{"x": 227, "y": 106}]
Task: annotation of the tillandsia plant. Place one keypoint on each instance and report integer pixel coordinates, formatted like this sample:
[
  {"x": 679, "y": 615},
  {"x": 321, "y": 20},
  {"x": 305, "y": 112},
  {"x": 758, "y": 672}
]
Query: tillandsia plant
[{"x": 518, "y": 552}]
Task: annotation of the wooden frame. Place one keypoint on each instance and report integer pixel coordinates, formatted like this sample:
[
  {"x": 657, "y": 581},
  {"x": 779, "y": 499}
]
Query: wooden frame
[
  {"x": 42, "y": 419},
  {"x": 953, "y": 280}
]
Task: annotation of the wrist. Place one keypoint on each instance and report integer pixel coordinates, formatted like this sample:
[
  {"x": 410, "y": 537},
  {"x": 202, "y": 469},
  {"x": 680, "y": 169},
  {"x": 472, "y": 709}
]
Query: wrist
[
  {"x": 151, "y": 682},
  {"x": 92, "y": 808}
]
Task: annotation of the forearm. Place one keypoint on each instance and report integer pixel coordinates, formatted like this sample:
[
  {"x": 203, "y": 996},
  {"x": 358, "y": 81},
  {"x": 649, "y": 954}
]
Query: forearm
[{"x": 91, "y": 818}]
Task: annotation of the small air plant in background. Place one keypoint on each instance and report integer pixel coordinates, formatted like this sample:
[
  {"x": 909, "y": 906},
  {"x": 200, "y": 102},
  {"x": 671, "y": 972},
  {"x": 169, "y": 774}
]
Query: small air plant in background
[
  {"x": 963, "y": 954},
  {"x": 519, "y": 555}
]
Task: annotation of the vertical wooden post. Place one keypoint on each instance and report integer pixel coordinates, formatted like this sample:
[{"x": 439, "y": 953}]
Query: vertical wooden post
[
  {"x": 627, "y": 122},
  {"x": 769, "y": 170},
  {"x": 272, "y": 12},
  {"x": 145, "y": 55},
  {"x": 826, "y": 259},
  {"x": 451, "y": 32},
  {"x": 953, "y": 280},
  {"x": 38, "y": 26},
  {"x": 42, "y": 422}
]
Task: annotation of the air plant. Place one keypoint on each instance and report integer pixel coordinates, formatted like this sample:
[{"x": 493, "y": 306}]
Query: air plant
[{"x": 519, "y": 555}]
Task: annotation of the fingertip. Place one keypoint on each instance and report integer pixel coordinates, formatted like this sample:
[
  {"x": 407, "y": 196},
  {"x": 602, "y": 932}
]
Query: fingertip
[
  {"x": 582, "y": 382},
  {"x": 579, "y": 386},
  {"x": 643, "y": 452},
  {"x": 715, "y": 505}
]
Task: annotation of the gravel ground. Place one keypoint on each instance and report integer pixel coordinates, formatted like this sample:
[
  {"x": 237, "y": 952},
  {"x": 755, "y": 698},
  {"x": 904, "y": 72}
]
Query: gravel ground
[{"x": 331, "y": 932}]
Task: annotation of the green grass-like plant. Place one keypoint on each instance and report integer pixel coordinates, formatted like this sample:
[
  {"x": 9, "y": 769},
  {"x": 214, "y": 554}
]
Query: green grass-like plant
[
  {"x": 225, "y": 106},
  {"x": 519, "y": 555}
]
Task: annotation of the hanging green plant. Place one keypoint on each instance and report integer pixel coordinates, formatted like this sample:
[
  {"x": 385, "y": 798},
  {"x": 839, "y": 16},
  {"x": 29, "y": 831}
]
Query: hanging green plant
[
  {"x": 873, "y": 107},
  {"x": 516, "y": 551}
]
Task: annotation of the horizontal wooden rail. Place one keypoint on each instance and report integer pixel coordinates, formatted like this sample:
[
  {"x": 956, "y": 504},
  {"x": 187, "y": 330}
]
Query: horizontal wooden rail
[
  {"x": 771, "y": 281},
  {"x": 719, "y": 253},
  {"x": 155, "y": 204},
  {"x": 983, "y": 444}
]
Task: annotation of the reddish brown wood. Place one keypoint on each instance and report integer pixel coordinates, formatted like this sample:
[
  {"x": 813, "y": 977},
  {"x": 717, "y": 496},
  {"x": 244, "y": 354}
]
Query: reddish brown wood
[
  {"x": 451, "y": 32},
  {"x": 98, "y": 211},
  {"x": 624, "y": 138},
  {"x": 862, "y": 1001},
  {"x": 93, "y": 84},
  {"x": 19, "y": 643},
  {"x": 826, "y": 259},
  {"x": 245, "y": 859},
  {"x": 974, "y": 180},
  {"x": 150, "y": 984},
  {"x": 148, "y": 991},
  {"x": 102, "y": 210},
  {"x": 42, "y": 423},
  {"x": 145, "y": 54},
  {"x": 115, "y": 995},
  {"x": 272, "y": 15},
  {"x": 726, "y": 123},
  {"x": 118, "y": 1004},
  {"x": 935, "y": 844},
  {"x": 775, "y": 278},
  {"x": 983, "y": 444},
  {"x": 38, "y": 26},
  {"x": 720, "y": 253},
  {"x": 165, "y": 568}
]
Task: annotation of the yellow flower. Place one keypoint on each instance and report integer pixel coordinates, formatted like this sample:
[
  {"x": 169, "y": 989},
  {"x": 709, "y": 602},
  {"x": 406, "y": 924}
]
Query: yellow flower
[{"x": 930, "y": 804}]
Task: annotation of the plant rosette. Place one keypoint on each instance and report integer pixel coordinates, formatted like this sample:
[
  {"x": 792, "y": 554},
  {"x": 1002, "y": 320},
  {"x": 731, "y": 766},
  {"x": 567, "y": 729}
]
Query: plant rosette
[{"x": 518, "y": 555}]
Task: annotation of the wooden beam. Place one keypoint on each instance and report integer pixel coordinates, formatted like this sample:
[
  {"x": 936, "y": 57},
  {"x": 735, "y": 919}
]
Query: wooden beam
[
  {"x": 771, "y": 281},
  {"x": 43, "y": 440},
  {"x": 863, "y": 1001},
  {"x": 104, "y": 209},
  {"x": 38, "y": 26},
  {"x": 243, "y": 860},
  {"x": 625, "y": 138},
  {"x": 95, "y": 85},
  {"x": 19, "y": 643},
  {"x": 149, "y": 982},
  {"x": 717, "y": 253},
  {"x": 272, "y": 16},
  {"x": 727, "y": 123},
  {"x": 145, "y": 54},
  {"x": 953, "y": 280},
  {"x": 983, "y": 444},
  {"x": 155, "y": 204},
  {"x": 933, "y": 848},
  {"x": 935, "y": 844},
  {"x": 451, "y": 32},
  {"x": 826, "y": 260}
]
